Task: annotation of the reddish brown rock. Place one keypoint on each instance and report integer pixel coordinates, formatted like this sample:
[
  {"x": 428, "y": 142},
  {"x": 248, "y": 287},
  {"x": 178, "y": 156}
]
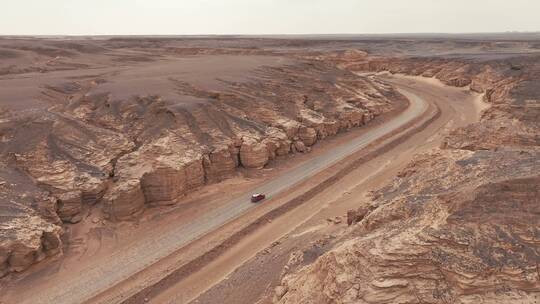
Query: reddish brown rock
[
  {"x": 350, "y": 117},
  {"x": 253, "y": 154},
  {"x": 124, "y": 200},
  {"x": 69, "y": 206},
  {"x": 220, "y": 163},
  {"x": 355, "y": 216},
  {"x": 307, "y": 135},
  {"x": 163, "y": 185},
  {"x": 458, "y": 224},
  {"x": 30, "y": 240},
  {"x": 454, "y": 245}
]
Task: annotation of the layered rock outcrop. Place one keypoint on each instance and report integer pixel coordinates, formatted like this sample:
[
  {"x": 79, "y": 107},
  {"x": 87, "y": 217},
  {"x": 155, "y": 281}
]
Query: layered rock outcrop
[
  {"x": 26, "y": 237},
  {"x": 253, "y": 154},
  {"x": 148, "y": 129},
  {"x": 206, "y": 142},
  {"x": 459, "y": 224},
  {"x": 221, "y": 162},
  {"x": 444, "y": 233}
]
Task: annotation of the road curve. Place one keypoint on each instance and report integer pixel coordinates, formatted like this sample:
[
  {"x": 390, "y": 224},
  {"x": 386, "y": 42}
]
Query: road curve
[{"x": 122, "y": 264}]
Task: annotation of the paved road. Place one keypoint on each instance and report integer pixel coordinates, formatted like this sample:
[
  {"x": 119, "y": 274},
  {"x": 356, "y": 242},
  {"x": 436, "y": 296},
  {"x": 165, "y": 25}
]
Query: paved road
[{"x": 123, "y": 264}]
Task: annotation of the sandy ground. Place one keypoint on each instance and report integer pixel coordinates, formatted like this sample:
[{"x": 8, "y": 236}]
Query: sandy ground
[{"x": 22, "y": 92}]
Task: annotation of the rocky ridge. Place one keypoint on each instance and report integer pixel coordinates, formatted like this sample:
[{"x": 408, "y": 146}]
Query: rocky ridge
[
  {"x": 458, "y": 225},
  {"x": 96, "y": 145}
]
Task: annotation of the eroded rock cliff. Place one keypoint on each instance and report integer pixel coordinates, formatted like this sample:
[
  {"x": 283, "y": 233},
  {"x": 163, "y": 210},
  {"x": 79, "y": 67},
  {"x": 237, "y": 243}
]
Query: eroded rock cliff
[
  {"x": 100, "y": 129},
  {"x": 460, "y": 224}
]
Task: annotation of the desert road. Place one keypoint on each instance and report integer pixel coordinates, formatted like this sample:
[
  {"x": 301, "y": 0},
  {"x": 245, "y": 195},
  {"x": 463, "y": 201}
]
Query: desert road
[{"x": 126, "y": 262}]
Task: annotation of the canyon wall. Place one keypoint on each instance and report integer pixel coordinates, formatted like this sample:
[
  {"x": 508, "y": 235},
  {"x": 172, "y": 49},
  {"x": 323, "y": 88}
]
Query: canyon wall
[
  {"x": 460, "y": 224},
  {"x": 148, "y": 129}
]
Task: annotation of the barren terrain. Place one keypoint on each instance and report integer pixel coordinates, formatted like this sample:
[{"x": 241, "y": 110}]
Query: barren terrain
[{"x": 126, "y": 166}]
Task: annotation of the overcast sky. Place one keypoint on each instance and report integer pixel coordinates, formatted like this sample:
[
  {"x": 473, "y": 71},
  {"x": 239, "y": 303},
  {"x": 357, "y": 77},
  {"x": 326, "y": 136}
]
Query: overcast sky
[{"x": 108, "y": 17}]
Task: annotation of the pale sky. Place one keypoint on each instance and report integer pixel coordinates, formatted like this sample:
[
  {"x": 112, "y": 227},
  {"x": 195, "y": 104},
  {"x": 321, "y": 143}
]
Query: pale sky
[{"x": 168, "y": 17}]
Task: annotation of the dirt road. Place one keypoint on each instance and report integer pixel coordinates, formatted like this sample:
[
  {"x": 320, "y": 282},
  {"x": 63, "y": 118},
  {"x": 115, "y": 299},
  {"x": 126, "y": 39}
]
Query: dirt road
[
  {"x": 122, "y": 264},
  {"x": 457, "y": 107}
]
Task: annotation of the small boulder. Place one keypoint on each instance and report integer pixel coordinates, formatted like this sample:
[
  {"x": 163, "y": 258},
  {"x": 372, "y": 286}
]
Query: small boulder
[
  {"x": 355, "y": 216},
  {"x": 69, "y": 206},
  {"x": 299, "y": 147}
]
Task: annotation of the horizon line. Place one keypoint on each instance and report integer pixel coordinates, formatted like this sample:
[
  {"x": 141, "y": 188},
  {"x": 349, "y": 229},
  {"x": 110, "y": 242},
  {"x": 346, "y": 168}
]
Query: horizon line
[{"x": 275, "y": 34}]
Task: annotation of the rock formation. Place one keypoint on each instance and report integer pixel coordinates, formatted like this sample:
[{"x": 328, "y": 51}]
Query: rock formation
[
  {"x": 458, "y": 225},
  {"x": 100, "y": 129},
  {"x": 26, "y": 237}
]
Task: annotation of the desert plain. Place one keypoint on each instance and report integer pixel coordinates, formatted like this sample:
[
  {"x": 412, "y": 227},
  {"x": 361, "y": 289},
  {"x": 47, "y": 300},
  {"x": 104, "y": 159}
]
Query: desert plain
[{"x": 398, "y": 169}]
